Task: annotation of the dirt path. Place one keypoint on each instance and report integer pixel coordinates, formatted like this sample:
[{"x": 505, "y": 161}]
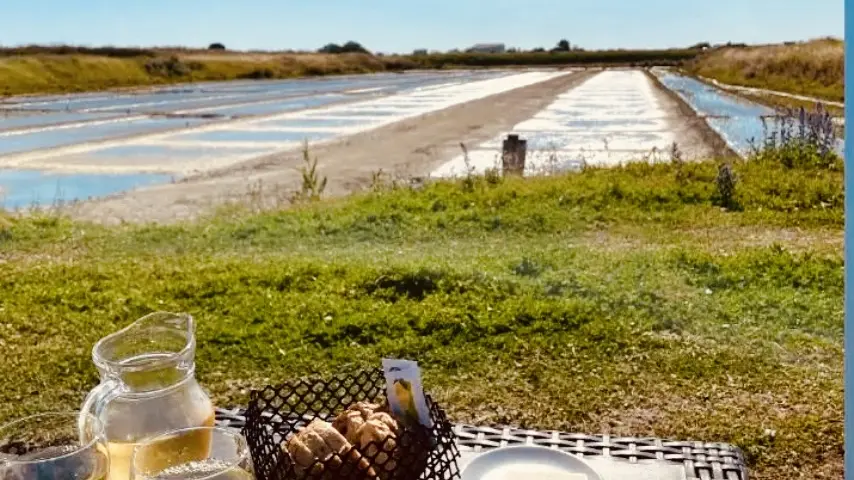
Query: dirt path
[{"x": 410, "y": 148}]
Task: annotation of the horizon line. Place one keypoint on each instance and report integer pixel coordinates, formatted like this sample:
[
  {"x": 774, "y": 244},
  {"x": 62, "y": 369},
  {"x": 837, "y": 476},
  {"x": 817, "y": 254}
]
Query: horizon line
[{"x": 285, "y": 50}]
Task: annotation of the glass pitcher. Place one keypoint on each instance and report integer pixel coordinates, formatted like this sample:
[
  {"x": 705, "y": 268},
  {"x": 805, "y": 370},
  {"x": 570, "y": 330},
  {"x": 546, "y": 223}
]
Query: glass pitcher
[{"x": 148, "y": 386}]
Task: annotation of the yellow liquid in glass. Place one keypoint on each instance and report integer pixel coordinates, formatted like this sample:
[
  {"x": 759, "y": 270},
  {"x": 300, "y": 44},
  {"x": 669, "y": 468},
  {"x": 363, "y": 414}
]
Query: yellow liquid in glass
[
  {"x": 185, "y": 447},
  {"x": 207, "y": 470},
  {"x": 100, "y": 462}
]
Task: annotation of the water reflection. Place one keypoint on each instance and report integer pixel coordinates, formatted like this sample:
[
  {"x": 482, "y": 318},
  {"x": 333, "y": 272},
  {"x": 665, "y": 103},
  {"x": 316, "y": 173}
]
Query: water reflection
[
  {"x": 268, "y": 108},
  {"x": 170, "y": 98},
  {"x": 10, "y": 120},
  {"x": 738, "y": 121},
  {"x": 23, "y": 142}
]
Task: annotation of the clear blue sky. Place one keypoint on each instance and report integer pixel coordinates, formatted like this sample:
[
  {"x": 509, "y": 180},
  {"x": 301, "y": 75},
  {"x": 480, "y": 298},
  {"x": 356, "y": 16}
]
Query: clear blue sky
[{"x": 403, "y": 25}]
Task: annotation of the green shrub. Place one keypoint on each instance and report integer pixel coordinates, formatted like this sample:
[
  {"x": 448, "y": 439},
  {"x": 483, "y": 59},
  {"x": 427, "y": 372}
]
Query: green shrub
[{"x": 167, "y": 67}]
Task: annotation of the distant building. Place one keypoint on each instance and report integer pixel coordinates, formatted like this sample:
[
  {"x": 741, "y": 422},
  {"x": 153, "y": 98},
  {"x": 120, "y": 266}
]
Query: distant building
[
  {"x": 420, "y": 51},
  {"x": 487, "y": 48}
]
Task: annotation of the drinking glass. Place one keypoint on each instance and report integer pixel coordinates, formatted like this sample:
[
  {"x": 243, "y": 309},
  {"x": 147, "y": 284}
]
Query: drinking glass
[
  {"x": 199, "y": 453},
  {"x": 56, "y": 446}
]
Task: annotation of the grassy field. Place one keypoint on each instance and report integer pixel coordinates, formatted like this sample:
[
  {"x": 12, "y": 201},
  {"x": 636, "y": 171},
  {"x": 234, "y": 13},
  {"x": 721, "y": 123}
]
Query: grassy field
[
  {"x": 813, "y": 68},
  {"x": 36, "y": 69},
  {"x": 50, "y": 73},
  {"x": 625, "y": 301}
]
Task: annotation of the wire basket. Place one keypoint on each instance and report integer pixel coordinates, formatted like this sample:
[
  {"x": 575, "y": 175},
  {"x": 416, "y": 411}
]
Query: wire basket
[{"x": 276, "y": 413}]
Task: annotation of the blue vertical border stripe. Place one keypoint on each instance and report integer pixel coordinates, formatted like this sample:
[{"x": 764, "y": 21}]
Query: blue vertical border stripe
[{"x": 849, "y": 254}]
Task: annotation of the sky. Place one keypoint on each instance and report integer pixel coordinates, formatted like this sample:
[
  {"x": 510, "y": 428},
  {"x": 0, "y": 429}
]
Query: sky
[{"x": 404, "y": 25}]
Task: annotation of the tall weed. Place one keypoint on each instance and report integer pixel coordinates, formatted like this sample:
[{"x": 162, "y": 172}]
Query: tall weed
[{"x": 797, "y": 138}]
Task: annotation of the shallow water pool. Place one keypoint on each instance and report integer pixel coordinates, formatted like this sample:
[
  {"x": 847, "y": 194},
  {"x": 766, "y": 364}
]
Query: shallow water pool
[
  {"x": 10, "y": 121},
  {"x": 738, "y": 121},
  {"x": 24, "y": 188},
  {"x": 269, "y": 108},
  {"x": 24, "y": 142}
]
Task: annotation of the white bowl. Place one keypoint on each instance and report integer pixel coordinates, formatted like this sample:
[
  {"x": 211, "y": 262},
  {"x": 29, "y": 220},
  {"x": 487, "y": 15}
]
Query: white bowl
[{"x": 528, "y": 462}]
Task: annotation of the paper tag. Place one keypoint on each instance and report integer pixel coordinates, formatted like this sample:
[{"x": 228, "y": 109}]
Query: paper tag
[{"x": 405, "y": 392}]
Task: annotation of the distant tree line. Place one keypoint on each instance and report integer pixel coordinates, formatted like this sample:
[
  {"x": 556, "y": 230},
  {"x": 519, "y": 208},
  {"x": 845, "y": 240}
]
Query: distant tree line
[
  {"x": 572, "y": 57},
  {"x": 564, "y": 52},
  {"x": 349, "y": 47}
]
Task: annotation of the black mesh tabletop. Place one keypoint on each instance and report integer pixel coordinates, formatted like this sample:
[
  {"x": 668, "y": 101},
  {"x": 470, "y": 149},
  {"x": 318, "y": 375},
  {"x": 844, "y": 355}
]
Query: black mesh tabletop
[{"x": 617, "y": 458}]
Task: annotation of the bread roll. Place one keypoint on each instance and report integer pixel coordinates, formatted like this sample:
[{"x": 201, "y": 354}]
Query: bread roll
[{"x": 320, "y": 442}]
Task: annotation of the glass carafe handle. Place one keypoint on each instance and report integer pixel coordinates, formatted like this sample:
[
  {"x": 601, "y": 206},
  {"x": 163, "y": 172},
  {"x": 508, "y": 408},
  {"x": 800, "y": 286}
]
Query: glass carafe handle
[{"x": 97, "y": 400}]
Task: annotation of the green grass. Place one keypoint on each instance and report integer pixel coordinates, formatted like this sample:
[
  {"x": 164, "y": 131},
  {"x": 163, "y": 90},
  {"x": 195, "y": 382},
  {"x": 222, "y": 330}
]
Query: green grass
[
  {"x": 813, "y": 68},
  {"x": 621, "y": 300}
]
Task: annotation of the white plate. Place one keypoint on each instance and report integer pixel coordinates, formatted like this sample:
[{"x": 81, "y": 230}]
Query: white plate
[{"x": 524, "y": 463}]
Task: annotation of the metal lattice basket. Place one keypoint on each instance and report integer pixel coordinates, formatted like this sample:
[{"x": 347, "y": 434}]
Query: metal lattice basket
[{"x": 277, "y": 413}]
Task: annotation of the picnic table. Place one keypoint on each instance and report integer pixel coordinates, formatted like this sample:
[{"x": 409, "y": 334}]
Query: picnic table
[{"x": 616, "y": 458}]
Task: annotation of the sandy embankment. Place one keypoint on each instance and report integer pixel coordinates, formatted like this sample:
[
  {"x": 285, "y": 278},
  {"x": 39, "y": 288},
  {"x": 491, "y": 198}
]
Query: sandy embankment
[{"x": 697, "y": 138}]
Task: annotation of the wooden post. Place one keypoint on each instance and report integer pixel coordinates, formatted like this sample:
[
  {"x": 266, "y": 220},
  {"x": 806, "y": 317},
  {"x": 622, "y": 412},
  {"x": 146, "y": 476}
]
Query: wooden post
[{"x": 513, "y": 154}]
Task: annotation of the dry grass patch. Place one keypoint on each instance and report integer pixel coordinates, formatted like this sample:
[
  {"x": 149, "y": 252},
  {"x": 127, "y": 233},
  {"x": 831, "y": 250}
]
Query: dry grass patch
[
  {"x": 50, "y": 73},
  {"x": 814, "y": 68}
]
